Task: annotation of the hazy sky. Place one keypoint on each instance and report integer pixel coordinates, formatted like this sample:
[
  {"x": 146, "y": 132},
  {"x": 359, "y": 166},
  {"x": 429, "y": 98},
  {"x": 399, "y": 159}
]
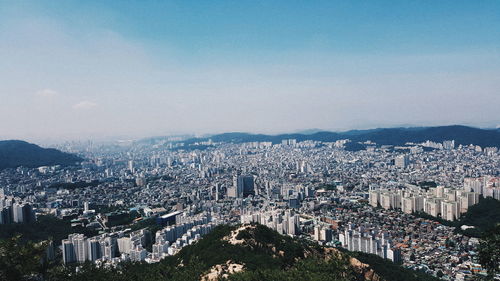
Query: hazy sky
[{"x": 80, "y": 69}]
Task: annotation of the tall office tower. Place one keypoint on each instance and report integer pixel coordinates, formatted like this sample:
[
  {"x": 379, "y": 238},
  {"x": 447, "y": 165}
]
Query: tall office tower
[
  {"x": 238, "y": 184},
  {"x": 85, "y": 206},
  {"x": 402, "y": 161},
  {"x": 68, "y": 250},
  {"x": 242, "y": 186},
  {"x": 94, "y": 249},
  {"x": 247, "y": 185}
]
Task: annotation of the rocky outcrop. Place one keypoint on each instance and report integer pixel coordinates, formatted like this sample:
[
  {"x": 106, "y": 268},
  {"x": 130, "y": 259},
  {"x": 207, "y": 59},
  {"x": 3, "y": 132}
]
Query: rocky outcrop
[{"x": 221, "y": 271}]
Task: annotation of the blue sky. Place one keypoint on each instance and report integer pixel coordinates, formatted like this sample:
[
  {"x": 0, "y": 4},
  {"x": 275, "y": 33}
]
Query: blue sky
[{"x": 77, "y": 69}]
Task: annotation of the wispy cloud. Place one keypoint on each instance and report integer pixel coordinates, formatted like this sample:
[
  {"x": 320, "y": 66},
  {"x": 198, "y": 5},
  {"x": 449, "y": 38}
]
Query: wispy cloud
[
  {"x": 46, "y": 93},
  {"x": 83, "y": 105}
]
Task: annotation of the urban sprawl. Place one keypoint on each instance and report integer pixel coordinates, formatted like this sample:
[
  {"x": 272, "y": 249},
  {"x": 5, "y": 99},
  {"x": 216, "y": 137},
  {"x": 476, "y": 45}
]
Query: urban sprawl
[{"x": 366, "y": 200}]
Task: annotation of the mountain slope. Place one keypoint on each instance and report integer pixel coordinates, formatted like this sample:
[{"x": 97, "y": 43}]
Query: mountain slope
[
  {"x": 15, "y": 153},
  {"x": 385, "y": 136}
]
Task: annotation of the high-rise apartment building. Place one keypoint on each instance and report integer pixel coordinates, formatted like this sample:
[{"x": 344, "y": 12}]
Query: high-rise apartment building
[{"x": 68, "y": 250}]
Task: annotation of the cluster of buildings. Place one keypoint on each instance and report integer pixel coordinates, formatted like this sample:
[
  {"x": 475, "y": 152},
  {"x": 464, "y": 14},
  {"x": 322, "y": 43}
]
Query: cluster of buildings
[
  {"x": 284, "y": 222},
  {"x": 448, "y": 203},
  {"x": 417, "y": 243},
  {"x": 14, "y": 210},
  {"x": 323, "y": 234},
  {"x": 486, "y": 186},
  {"x": 371, "y": 241},
  {"x": 125, "y": 245},
  {"x": 187, "y": 230},
  {"x": 309, "y": 189},
  {"x": 113, "y": 247}
]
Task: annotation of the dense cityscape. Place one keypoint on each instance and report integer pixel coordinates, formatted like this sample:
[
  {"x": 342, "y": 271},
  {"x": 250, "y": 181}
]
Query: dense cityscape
[
  {"x": 369, "y": 200},
  {"x": 177, "y": 140}
]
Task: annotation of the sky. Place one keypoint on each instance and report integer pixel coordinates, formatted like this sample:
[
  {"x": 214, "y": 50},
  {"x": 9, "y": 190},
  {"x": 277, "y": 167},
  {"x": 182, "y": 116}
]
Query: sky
[{"x": 102, "y": 69}]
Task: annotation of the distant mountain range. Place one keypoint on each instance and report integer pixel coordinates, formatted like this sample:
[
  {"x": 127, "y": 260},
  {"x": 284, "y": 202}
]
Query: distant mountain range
[
  {"x": 385, "y": 136},
  {"x": 16, "y": 153}
]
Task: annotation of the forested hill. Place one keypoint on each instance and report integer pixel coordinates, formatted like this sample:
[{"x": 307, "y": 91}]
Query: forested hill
[
  {"x": 385, "y": 136},
  {"x": 248, "y": 252},
  {"x": 15, "y": 153}
]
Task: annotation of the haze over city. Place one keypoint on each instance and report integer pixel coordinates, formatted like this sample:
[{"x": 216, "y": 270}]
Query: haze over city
[
  {"x": 88, "y": 69},
  {"x": 249, "y": 140}
]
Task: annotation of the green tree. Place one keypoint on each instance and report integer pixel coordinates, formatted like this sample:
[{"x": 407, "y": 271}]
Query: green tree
[
  {"x": 489, "y": 254},
  {"x": 19, "y": 261}
]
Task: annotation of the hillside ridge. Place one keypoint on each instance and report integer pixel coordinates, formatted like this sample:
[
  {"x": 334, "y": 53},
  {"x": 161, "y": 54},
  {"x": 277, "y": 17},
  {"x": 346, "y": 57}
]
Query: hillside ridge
[
  {"x": 17, "y": 153},
  {"x": 463, "y": 135}
]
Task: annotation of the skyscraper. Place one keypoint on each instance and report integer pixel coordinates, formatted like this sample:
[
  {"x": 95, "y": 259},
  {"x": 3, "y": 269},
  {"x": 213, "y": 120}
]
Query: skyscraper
[
  {"x": 243, "y": 186},
  {"x": 248, "y": 186}
]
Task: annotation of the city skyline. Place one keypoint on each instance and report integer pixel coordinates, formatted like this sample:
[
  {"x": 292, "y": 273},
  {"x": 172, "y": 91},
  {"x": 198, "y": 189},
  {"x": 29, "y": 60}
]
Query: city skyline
[
  {"x": 249, "y": 140},
  {"x": 83, "y": 70}
]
